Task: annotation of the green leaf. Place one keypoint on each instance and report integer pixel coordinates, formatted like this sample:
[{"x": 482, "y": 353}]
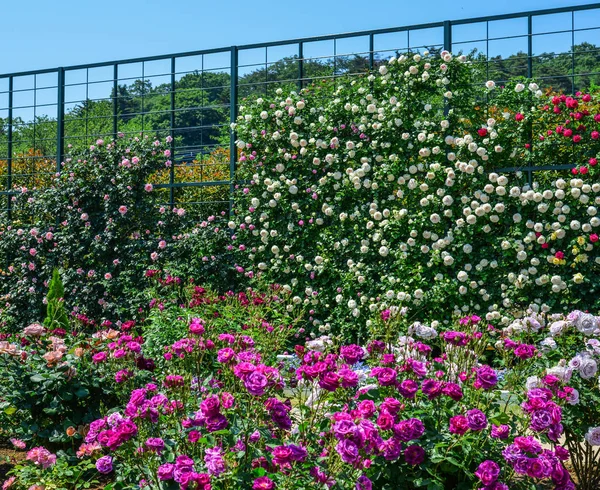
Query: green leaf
[
  {"x": 499, "y": 419},
  {"x": 82, "y": 392},
  {"x": 10, "y": 410}
]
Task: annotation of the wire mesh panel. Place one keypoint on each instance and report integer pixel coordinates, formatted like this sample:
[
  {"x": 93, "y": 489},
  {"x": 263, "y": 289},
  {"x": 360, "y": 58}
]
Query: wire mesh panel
[
  {"x": 88, "y": 105},
  {"x": 193, "y": 97},
  {"x": 34, "y": 129},
  {"x": 201, "y": 105}
]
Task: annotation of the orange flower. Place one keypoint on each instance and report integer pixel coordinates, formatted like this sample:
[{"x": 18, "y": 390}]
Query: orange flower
[
  {"x": 53, "y": 357},
  {"x": 71, "y": 431}
]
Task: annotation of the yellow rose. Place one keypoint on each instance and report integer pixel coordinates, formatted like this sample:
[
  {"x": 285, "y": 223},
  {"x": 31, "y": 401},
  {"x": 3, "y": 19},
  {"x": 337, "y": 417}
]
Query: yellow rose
[
  {"x": 581, "y": 241},
  {"x": 578, "y": 278}
]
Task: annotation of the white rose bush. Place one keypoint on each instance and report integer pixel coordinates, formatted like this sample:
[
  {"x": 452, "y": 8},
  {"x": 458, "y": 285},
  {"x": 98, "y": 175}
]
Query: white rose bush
[{"x": 389, "y": 190}]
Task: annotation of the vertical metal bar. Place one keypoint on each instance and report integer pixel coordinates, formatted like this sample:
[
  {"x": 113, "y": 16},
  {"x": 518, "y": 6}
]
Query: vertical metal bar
[
  {"x": 143, "y": 94},
  {"x": 60, "y": 120},
  {"x": 487, "y": 50},
  {"x": 529, "y": 46},
  {"x": 573, "y": 52},
  {"x": 33, "y": 166},
  {"x": 233, "y": 108},
  {"x": 447, "y": 47},
  {"x": 300, "y": 65},
  {"x": 448, "y": 36},
  {"x": 334, "y": 58},
  {"x": 371, "y": 51},
  {"x": 530, "y": 75},
  {"x": 266, "y": 73},
  {"x": 10, "y": 147},
  {"x": 115, "y": 100},
  {"x": 87, "y": 105},
  {"x": 172, "y": 134}
]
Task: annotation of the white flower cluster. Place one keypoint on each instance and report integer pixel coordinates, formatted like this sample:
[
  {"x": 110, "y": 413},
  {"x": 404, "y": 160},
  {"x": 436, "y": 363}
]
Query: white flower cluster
[{"x": 377, "y": 192}]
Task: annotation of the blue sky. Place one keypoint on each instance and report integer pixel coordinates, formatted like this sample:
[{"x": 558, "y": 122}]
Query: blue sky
[{"x": 45, "y": 34}]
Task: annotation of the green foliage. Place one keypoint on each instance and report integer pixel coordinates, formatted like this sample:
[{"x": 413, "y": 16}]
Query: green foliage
[
  {"x": 66, "y": 474},
  {"x": 56, "y": 315},
  {"x": 101, "y": 224},
  {"x": 389, "y": 190}
]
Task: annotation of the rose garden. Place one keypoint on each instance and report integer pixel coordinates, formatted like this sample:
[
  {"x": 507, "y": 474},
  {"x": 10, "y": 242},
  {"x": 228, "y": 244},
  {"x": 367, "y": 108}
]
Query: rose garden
[{"x": 384, "y": 306}]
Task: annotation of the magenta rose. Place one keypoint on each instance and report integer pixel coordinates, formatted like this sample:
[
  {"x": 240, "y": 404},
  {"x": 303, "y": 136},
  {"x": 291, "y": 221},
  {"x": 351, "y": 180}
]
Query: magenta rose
[
  {"x": 263, "y": 483},
  {"x": 256, "y": 383},
  {"x": 385, "y": 421},
  {"x": 408, "y": 388},
  {"x": 453, "y": 391},
  {"x": 385, "y": 376},
  {"x": 488, "y": 472},
  {"x": 459, "y": 425},
  {"x": 352, "y": 353},
  {"x": 486, "y": 377},
  {"x": 165, "y": 471},
  {"x": 476, "y": 420},
  {"x": 414, "y": 455},
  {"x": 500, "y": 431},
  {"x": 408, "y": 430}
]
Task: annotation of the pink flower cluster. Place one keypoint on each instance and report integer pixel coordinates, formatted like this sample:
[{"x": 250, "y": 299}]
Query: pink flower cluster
[{"x": 40, "y": 456}]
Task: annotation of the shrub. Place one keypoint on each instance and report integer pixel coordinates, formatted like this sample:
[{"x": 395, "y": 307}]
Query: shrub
[
  {"x": 387, "y": 190},
  {"x": 51, "y": 387},
  {"x": 102, "y": 224}
]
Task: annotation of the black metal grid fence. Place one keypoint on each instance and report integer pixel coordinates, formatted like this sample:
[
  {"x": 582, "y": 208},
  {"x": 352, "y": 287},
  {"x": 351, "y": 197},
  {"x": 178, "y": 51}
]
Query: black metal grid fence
[{"x": 194, "y": 96}]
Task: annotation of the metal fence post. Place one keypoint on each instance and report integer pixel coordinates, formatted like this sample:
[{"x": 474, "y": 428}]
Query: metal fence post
[
  {"x": 172, "y": 134},
  {"x": 371, "y": 51},
  {"x": 10, "y": 148},
  {"x": 300, "y": 64},
  {"x": 233, "y": 108},
  {"x": 115, "y": 100},
  {"x": 530, "y": 75},
  {"x": 448, "y": 36},
  {"x": 447, "y": 47},
  {"x": 529, "y": 46},
  {"x": 60, "y": 120}
]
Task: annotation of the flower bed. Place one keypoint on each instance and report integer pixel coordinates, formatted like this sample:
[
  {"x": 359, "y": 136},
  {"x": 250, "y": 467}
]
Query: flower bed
[{"x": 241, "y": 399}]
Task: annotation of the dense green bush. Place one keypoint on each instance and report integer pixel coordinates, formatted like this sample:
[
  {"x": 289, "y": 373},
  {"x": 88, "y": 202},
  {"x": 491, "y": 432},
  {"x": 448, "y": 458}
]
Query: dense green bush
[
  {"x": 381, "y": 191},
  {"x": 102, "y": 224}
]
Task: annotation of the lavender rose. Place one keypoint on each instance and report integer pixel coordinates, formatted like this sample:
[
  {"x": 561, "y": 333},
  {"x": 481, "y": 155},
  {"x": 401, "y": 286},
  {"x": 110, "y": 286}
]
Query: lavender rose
[
  {"x": 104, "y": 465},
  {"x": 476, "y": 420},
  {"x": 593, "y": 436},
  {"x": 256, "y": 383}
]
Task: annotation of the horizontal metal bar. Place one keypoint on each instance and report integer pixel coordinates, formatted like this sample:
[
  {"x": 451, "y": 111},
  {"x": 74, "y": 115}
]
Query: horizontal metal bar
[
  {"x": 328, "y": 37},
  {"x": 558, "y": 10},
  {"x": 214, "y": 183},
  {"x": 535, "y": 168}
]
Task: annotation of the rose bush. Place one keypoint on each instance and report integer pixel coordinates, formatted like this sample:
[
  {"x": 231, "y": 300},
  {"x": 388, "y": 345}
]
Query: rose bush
[
  {"x": 369, "y": 192},
  {"x": 102, "y": 223}
]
